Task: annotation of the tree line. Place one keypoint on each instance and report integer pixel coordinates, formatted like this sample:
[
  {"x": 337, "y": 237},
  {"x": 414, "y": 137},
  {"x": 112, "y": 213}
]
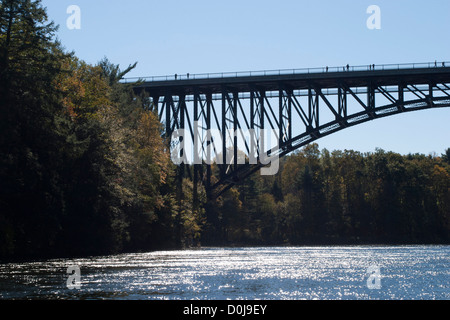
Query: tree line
[
  {"x": 341, "y": 197},
  {"x": 85, "y": 170}
]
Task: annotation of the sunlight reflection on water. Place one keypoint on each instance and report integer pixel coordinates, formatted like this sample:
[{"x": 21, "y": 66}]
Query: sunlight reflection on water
[{"x": 407, "y": 272}]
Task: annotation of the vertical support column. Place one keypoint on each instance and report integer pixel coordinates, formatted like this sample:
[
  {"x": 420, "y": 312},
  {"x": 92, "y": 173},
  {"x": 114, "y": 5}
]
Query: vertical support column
[
  {"x": 201, "y": 133},
  {"x": 313, "y": 109},
  {"x": 342, "y": 102},
  {"x": 260, "y": 148},
  {"x": 230, "y": 123},
  {"x": 224, "y": 132},
  {"x": 262, "y": 111},
  {"x": 181, "y": 168},
  {"x": 281, "y": 104},
  {"x": 235, "y": 128},
  {"x": 371, "y": 100},
  {"x": 290, "y": 94},
  {"x": 431, "y": 94},
  {"x": 196, "y": 155},
  {"x": 182, "y": 109},
  {"x": 168, "y": 105},
  {"x": 196, "y": 129},
  {"x": 285, "y": 116},
  {"x": 209, "y": 146},
  {"x": 401, "y": 97},
  {"x": 310, "y": 106},
  {"x": 252, "y": 110},
  {"x": 253, "y": 124}
]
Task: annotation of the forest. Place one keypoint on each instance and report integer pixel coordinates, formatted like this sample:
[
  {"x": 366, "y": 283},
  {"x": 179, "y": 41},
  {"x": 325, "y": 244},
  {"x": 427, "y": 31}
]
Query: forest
[{"x": 85, "y": 169}]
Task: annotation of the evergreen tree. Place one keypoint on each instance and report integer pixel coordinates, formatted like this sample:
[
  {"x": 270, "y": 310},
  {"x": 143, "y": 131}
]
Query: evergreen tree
[{"x": 33, "y": 130}]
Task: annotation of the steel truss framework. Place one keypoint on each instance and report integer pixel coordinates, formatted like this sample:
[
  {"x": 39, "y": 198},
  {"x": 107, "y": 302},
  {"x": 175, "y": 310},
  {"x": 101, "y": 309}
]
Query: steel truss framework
[{"x": 299, "y": 109}]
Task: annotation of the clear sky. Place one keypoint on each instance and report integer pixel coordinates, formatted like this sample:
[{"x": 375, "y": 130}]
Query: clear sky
[{"x": 200, "y": 36}]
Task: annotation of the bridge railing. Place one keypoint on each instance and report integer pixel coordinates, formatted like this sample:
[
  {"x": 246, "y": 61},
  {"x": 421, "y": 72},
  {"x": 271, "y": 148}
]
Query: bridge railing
[{"x": 346, "y": 68}]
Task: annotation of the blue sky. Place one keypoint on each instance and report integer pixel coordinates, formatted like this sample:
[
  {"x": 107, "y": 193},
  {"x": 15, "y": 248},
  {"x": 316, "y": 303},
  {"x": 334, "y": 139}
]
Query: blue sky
[{"x": 201, "y": 36}]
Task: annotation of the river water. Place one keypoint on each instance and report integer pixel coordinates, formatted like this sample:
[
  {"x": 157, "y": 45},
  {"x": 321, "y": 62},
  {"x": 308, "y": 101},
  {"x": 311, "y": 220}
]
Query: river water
[{"x": 269, "y": 273}]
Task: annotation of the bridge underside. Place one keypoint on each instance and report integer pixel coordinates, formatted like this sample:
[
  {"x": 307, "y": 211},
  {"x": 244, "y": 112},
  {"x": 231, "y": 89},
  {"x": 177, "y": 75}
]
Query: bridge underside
[{"x": 296, "y": 109}]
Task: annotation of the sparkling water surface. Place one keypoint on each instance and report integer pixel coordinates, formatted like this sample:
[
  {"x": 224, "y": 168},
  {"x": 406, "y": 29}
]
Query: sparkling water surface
[{"x": 269, "y": 273}]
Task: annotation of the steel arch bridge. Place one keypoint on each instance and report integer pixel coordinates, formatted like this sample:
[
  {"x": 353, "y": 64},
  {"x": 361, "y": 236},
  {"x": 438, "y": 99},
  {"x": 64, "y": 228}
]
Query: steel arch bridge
[{"x": 299, "y": 106}]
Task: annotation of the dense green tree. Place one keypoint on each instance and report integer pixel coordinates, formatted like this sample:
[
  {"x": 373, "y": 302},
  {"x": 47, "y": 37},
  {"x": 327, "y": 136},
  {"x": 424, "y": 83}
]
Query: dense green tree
[
  {"x": 34, "y": 138},
  {"x": 446, "y": 156}
]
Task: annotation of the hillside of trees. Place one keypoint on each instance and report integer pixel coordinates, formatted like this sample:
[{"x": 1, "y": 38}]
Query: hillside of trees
[
  {"x": 83, "y": 167},
  {"x": 85, "y": 170},
  {"x": 341, "y": 197}
]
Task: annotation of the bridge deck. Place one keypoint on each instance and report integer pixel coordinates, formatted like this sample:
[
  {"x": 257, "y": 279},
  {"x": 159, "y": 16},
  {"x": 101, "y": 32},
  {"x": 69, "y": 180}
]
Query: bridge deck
[{"x": 246, "y": 82}]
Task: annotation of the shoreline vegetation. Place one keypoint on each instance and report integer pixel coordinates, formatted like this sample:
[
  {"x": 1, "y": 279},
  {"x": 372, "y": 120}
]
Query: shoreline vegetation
[{"x": 85, "y": 171}]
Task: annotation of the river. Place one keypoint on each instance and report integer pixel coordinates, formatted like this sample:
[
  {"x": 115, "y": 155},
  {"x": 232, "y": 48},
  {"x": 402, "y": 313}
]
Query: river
[{"x": 269, "y": 273}]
